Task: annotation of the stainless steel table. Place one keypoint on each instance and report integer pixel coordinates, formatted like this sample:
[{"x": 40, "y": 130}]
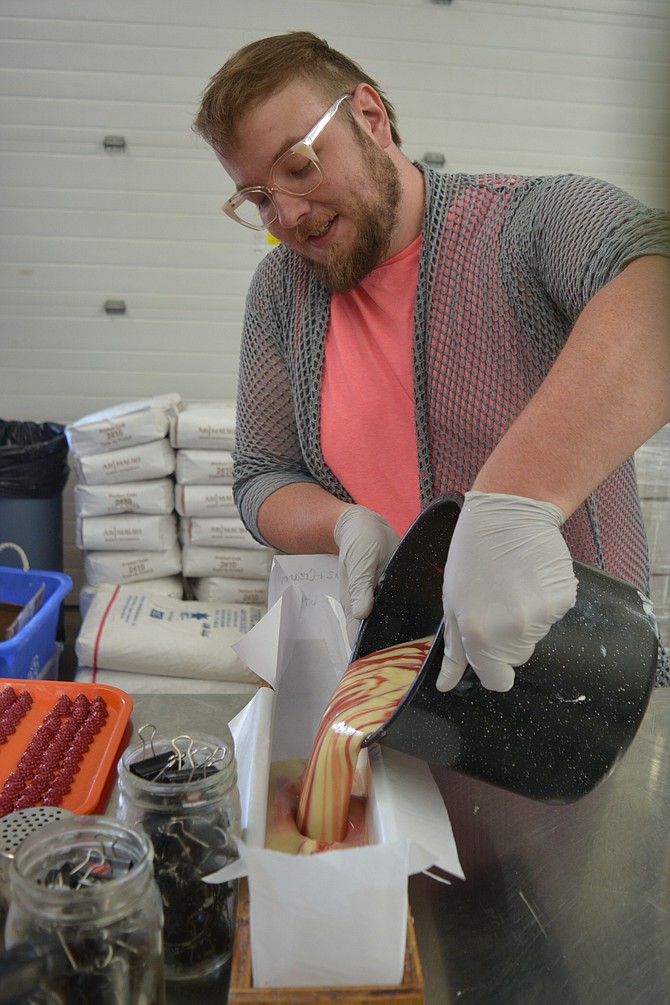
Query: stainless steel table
[{"x": 561, "y": 904}]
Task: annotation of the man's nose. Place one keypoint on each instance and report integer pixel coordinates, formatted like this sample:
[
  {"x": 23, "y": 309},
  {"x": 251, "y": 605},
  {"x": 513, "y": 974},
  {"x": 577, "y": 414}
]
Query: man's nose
[{"x": 290, "y": 208}]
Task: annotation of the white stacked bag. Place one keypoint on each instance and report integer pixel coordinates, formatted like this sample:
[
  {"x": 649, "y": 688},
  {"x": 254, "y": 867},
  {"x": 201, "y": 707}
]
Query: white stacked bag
[
  {"x": 144, "y": 642},
  {"x": 221, "y": 561},
  {"x": 124, "y": 497}
]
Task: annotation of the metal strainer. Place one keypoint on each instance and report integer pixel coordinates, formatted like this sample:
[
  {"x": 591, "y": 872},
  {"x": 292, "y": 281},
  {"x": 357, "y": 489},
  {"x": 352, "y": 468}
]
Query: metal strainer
[{"x": 14, "y": 829}]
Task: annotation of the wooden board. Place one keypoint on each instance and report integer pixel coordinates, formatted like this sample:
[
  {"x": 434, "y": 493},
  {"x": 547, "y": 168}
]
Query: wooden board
[{"x": 242, "y": 992}]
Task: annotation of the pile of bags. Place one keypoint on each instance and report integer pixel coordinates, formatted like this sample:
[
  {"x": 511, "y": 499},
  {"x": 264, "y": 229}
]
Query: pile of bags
[{"x": 172, "y": 577}]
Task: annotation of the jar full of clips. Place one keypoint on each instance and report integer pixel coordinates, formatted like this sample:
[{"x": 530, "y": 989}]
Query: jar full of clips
[
  {"x": 182, "y": 792},
  {"x": 84, "y": 901}
]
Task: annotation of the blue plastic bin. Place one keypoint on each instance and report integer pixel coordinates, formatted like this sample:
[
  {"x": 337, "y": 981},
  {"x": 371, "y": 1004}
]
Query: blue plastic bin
[{"x": 28, "y": 653}]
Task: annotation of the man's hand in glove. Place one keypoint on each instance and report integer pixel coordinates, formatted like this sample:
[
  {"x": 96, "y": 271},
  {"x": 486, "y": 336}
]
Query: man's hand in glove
[
  {"x": 509, "y": 577},
  {"x": 365, "y": 542}
]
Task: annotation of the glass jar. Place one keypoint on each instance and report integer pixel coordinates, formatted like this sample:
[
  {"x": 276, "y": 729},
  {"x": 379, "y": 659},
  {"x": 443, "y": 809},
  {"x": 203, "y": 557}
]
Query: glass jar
[
  {"x": 82, "y": 890},
  {"x": 183, "y": 793}
]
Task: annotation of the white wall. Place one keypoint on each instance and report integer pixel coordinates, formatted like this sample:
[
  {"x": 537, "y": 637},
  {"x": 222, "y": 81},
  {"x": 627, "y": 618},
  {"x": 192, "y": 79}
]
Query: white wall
[{"x": 532, "y": 86}]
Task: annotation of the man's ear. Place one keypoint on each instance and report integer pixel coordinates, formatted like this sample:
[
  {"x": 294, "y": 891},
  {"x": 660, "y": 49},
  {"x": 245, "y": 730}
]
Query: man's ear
[{"x": 371, "y": 114}]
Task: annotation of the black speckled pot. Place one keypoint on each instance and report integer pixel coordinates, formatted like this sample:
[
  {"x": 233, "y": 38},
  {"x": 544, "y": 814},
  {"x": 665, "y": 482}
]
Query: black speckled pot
[{"x": 575, "y": 705}]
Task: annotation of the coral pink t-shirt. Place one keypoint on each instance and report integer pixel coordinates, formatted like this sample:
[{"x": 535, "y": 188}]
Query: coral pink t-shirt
[{"x": 368, "y": 428}]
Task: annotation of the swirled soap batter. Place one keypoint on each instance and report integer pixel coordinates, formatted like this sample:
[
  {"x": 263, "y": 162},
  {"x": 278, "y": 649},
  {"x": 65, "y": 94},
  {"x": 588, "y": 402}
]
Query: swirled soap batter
[
  {"x": 282, "y": 834},
  {"x": 368, "y": 693}
]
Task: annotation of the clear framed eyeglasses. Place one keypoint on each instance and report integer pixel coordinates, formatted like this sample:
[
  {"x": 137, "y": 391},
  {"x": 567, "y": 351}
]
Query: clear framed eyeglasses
[{"x": 297, "y": 172}]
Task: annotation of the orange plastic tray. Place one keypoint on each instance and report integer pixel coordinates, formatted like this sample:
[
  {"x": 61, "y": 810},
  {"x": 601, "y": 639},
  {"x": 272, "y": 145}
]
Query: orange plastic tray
[{"x": 98, "y": 764}]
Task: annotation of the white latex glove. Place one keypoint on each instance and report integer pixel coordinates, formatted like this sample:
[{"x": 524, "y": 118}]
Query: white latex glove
[
  {"x": 508, "y": 578},
  {"x": 365, "y": 542}
]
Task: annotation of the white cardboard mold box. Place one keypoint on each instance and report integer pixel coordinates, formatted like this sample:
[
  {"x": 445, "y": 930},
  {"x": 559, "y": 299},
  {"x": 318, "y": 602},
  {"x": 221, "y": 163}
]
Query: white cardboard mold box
[{"x": 337, "y": 918}]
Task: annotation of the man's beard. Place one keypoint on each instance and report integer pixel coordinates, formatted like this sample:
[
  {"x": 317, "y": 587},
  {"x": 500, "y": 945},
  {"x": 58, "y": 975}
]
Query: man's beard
[{"x": 375, "y": 222}]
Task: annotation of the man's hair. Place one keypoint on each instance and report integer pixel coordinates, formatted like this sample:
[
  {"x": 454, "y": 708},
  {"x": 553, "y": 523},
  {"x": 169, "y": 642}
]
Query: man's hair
[{"x": 259, "y": 69}]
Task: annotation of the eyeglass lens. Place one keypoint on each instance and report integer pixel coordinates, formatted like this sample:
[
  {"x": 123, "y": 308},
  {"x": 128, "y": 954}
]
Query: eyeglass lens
[
  {"x": 293, "y": 173},
  {"x": 257, "y": 210}
]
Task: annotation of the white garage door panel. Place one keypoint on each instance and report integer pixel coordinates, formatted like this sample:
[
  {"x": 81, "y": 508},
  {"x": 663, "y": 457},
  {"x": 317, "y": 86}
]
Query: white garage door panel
[
  {"x": 528, "y": 140},
  {"x": 124, "y": 55},
  {"x": 115, "y": 282},
  {"x": 26, "y": 307},
  {"x": 644, "y": 61},
  {"x": 201, "y": 227},
  {"x": 106, "y": 115},
  {"x": 106, "y": 171},
  {"x": 69, "y": 379},
  {"x": 75, "y": 335},
  {"x": 144, "y": 335},
  {"x": 160, "y": 89},
  {"x": 542, "y": 83},
  {"x": 216, "y": 186},
  {"x": 530, "y": 111},
  {"x": 104, "y": 251}
]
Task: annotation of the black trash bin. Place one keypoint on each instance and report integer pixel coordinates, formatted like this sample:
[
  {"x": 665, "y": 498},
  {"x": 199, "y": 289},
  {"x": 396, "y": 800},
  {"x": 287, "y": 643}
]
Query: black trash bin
[{"x": 33, "y": 473}]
